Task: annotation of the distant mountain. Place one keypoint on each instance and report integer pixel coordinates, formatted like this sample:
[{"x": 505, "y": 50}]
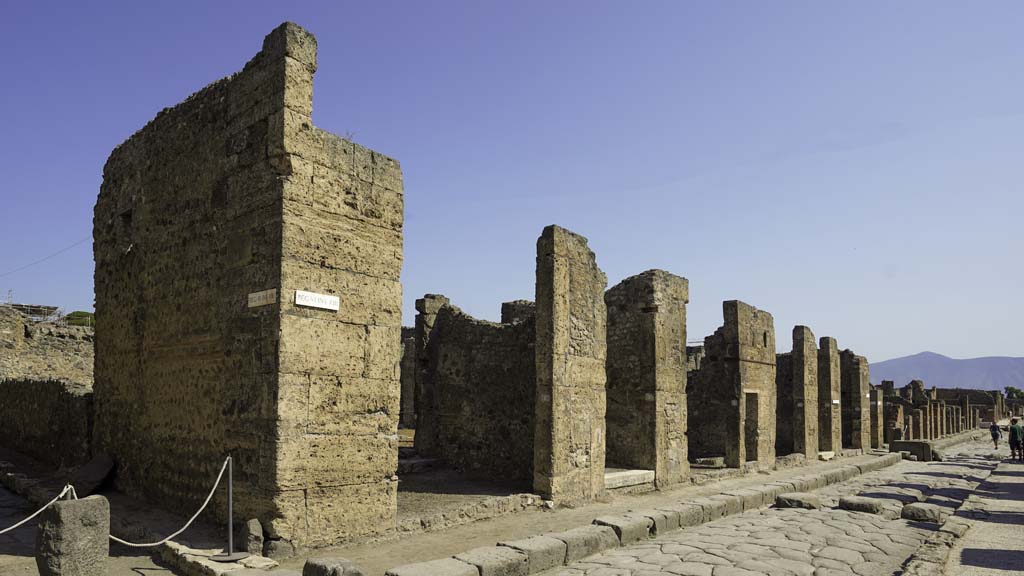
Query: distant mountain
[{"x": 989, "y": 373}]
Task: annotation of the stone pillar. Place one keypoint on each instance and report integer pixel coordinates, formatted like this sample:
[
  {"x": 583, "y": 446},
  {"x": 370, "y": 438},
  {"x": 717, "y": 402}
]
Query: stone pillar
[
  {"x": 426, "y": 428},
  {"x": 646, "y": 372},
  {"x": 796, "y": 381},
  {"x": 72, "y": 538},
  {"x": 877, "y": 417},
  {"x": 920, "y": 424},
  {"x": 248, "y": 302},
  {"x": 830, "y": 430},
  {"x": 569, "y": 448},
  {"x": 407, "y": 416},
  {"x": 856, "y": 417}
]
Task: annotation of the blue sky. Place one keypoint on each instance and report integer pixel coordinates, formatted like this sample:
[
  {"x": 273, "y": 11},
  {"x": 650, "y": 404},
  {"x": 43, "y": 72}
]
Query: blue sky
[{"x": 854, "y": 167}]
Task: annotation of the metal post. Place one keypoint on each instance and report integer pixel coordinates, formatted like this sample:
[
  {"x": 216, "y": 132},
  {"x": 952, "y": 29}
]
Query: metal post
[{"x": 229, "y": 555}]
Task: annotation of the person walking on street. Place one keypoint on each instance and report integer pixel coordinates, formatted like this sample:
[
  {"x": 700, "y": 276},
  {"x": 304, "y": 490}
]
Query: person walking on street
[{"x": 996, "y": 433}]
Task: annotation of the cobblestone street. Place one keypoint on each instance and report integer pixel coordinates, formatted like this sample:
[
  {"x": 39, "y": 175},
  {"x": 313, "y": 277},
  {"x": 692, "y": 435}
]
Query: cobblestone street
[{"x": 783, "y": 541}]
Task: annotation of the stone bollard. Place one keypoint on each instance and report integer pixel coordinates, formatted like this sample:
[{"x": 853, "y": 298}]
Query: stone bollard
[{"x": 73, "y": 538}]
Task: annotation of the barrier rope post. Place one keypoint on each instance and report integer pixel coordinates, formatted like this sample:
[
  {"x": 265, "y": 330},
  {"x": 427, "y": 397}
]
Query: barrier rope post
[{"x": 229, "y": 554}]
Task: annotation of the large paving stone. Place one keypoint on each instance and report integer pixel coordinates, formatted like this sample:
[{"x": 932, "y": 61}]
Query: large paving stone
[
  {"x": 72, "y": 538},
  {"x": 497, "y": 561},
  {"x": 584, "y": 541},
  {"x": 444, "y": 567},
  {"x": 542, "y": 552}
]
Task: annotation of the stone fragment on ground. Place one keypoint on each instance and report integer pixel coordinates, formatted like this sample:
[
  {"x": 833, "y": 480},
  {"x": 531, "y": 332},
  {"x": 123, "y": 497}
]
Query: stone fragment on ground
[
  {"x": 798, "y": 500},
  {"x": 72, "y": 538}
]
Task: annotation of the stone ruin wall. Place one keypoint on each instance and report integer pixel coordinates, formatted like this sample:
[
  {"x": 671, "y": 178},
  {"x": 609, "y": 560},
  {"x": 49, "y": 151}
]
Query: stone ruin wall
[
  {"x": 46, "y": 389},
  {"x": 481, "y": 381},
  {"x": 646, "y": 371},
  {"x": 855, "y": 390},
  {"x": 796, "y": 381},
  {"x": 230, "y": 193},
  {"x": 570, "y": 354},
  {"x": 407, "y": 376},
  {"x": 738, "y": 369},
  {"x": 830, "y": 425}
]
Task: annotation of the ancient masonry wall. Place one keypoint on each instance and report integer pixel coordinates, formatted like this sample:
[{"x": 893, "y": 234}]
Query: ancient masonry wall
[
  {"x": 481, "y": 381},
  {"x": 646, "y": 370},
  {"x": 732, "y": 397},
  {"x": 830, "y": 430},
  {"x": 570, "y": 354},
  {"x": 44, "y": 351},
  {"x": 796, "y": 381},
  {"x": 855, "y": 387},
  {"x": 426, "y": 314},
  {"x": 209, "y": 220},
  {"x": 877, "y": 418},
  {"x": 407, "y": 376}
]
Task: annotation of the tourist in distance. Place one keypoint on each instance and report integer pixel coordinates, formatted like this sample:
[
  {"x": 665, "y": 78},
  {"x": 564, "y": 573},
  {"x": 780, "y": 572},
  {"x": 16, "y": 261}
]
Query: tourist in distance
[{"x": 996, "y": 433}]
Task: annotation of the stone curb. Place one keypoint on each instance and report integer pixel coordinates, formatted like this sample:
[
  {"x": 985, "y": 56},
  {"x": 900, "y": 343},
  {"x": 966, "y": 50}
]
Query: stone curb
[{"x": 563, "y": 548}]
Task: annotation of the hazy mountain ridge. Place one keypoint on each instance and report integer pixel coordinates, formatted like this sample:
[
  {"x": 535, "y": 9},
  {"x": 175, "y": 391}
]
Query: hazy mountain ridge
[{"x": 987, "y": 373}]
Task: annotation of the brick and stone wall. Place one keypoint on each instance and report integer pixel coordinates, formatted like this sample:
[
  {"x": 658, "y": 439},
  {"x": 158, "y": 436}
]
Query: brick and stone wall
[
  {"x": 732, "y": 398},
  {"x": 830, "y": 430},
  {"x": 797, "y": 392},
  {"x": 208, "y": 221},
  {"x": 646, "y": 370},
  {"x": 48, "y": 420},
  {"x": 855, "y": 391},
  {"x": 481, "y": 382},
  {"x": 570, "y": 354},
  {"x": 407, "y": 417}
]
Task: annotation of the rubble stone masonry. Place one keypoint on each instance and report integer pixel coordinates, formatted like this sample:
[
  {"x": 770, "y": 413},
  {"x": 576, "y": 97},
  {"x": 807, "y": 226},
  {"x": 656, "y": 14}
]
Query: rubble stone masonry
[
  {"x": 570, "y": 354},
  {"x": 797, "y": 392},
  {"x": 646, "y": 372},
  {"x": 856, "y": 397},
  {"x": 208, "y": 221}
]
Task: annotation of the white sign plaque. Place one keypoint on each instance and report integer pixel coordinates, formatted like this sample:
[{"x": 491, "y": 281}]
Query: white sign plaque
[
  {"x": 263, "y": 298},
  {"x": 835, "y": 401},
  {"x": 314, "y": 300}
]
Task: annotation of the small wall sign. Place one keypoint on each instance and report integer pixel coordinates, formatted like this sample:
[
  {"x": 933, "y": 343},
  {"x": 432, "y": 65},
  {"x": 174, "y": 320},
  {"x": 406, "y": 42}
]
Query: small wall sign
[
  {"x": 314, "y": 300},
  {"x": 263, "y": 298}
]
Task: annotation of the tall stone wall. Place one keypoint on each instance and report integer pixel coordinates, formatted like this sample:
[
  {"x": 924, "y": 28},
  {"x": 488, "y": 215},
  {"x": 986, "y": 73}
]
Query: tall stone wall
[
  {"x": 481, "y": 381},
  {"x": 426, "y": 315},
  {"x": 407, "y": 375},
  {"x": 732, "y": 398},
  {"x": 646, "y": 371},
  {"x": 855, "y": 389},
  {"x": 830, "y": 422},
  {"x": 877, "y": 418},
  {"x": 796, "y": 381},
  {"x": 570, "y": 354},
  {"x": 208, "y": 222},
  {"x": 44, "y": 351}
]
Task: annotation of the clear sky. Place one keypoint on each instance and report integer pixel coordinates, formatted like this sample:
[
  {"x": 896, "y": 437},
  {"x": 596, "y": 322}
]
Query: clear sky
[{"x": 855, "y": 167}]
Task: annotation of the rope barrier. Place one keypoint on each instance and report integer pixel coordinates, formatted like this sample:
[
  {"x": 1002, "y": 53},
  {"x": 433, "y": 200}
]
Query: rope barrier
[
  {"x": 190, "y": 520},
  {"x": 67, "y": 488}
]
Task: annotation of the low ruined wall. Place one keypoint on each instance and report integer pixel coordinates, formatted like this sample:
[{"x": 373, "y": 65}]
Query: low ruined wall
[
  {"x": 481, "y": 380},
  {"x": 44, "y": 351},
  {"x": 48, "y": 420}
]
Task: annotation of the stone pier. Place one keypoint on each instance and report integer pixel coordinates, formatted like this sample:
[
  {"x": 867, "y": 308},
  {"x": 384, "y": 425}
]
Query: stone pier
[
  {"x": 830, "y": 424},
  {"x": 856, "y": 417},
  {"x": 797, "y": 397}
]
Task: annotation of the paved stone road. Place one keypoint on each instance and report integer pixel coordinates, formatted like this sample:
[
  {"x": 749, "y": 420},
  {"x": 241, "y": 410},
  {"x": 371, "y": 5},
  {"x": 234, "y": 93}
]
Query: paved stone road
[
  {"x": 807, "y": 542},
  {"x": 995, "y": 542}
]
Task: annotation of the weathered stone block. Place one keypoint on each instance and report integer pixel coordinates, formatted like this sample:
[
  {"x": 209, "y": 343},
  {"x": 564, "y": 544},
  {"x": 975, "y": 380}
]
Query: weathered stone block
[
  {"x": 330, "y": 567},
  {"x": 497, "y": 561},
  {"x": 862, "y": 504},
  {"x": 543, "y": 552},
  {"x": 798, "y": 500},
  {"x": 689, "y": 514},
  {"x": 923, "y": 512},
  {"x": 251, "y": 535},
  {"x": 629, "y": 529},
  {"x": 72, "y": 538},
  {"x": 664, "y": 520},
  {"x": 585, "y": 541}
]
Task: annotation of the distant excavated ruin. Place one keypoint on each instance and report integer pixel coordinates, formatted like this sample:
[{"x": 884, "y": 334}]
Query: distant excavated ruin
[{"x": 248, "y": 303}]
